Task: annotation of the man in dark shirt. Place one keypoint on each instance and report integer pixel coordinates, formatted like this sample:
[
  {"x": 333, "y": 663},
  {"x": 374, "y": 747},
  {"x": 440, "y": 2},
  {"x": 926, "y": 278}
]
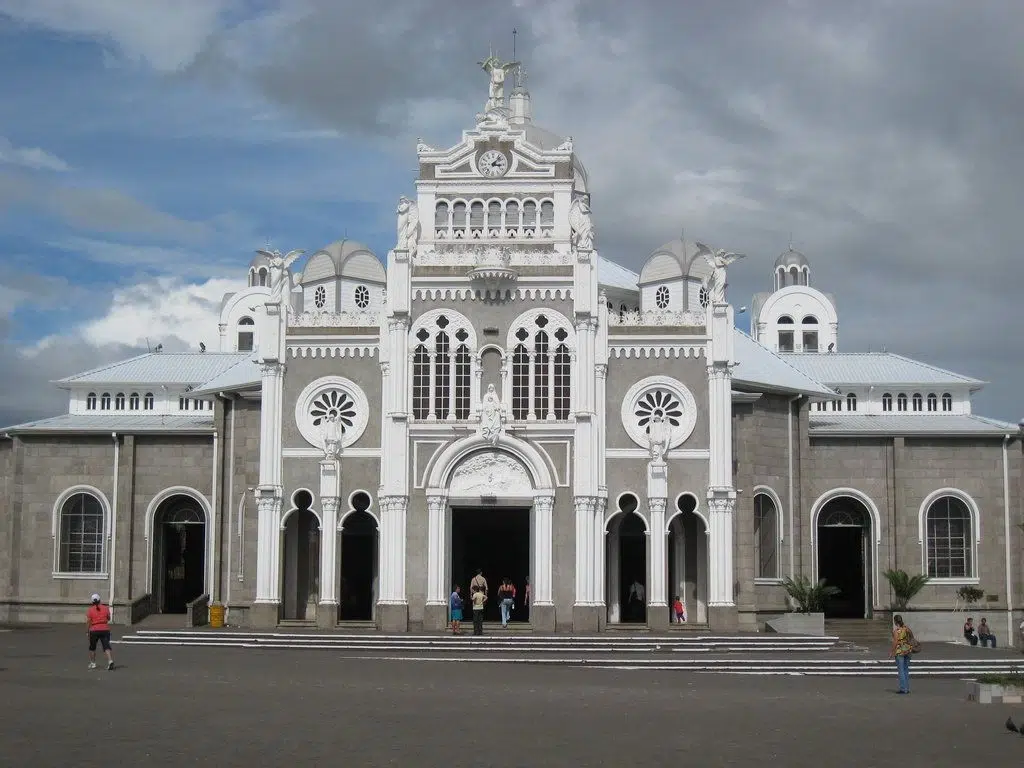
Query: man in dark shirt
[{"x": 969, "y": 633}]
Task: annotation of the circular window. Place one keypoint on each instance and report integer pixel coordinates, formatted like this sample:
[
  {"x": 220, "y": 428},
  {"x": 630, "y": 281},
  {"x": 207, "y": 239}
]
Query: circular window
[
  {"x": 320, "y": 297},
  {"x": 661, "y": 297},
  {"x": 704, "y": 297},
  {"x": 331, "y": 397},
  {"x": 659, "y": 396},
  {"x": 362, "y": 296}
]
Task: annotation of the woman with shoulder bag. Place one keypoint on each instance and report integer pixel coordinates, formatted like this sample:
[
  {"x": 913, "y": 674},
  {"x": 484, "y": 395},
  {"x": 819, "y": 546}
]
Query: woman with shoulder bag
[{"x": 903, "y": 645}]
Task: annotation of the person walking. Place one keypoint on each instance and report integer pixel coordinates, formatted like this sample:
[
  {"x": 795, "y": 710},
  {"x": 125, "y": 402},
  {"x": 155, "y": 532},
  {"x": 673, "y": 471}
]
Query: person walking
[
  {"x": 97, "y": 620},
  {"x": 902, "y": 647},
  {"x": 479, "y": 598},
  {"x": 455, "y": 606},
  {"x": 506, "y": 600}
]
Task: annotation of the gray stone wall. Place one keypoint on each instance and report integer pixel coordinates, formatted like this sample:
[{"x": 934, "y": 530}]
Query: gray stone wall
[
  {"x": 242, "y": 470},
  {"x": 10, "y": 525}
]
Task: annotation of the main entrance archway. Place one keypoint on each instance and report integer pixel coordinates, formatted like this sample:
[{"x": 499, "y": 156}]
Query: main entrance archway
[
  {"x": 844, "y": 535},
  {"x": 179, "y": 553}
]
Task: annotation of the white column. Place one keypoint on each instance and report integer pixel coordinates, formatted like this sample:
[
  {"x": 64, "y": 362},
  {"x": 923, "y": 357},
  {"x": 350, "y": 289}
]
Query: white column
[
  {"x": 329, "y": 549},
  {"x": 656, "y": 586},
  {"x": 452, "y": 382},
  {"x": 543, "y": 508},
  {"x": 720, "y": 580},
  {"x": 584, "y": 506},
  {"x": 600, "y": 552},
  {"x": 531, "y": 412},
  {"x": 436, "y": 561},
  {"x": 268, "y": 550},
  {"x": 392, "y": 548}
]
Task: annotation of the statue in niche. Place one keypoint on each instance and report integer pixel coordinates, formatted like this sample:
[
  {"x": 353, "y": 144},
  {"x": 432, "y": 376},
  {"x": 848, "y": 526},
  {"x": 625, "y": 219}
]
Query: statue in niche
[
  {"x": 280, "y": 274},
  {"x": 492, "y": 416},
  {"x": 582, "y": 226},
  {"x": 333, "y": 433},
  {"x": 657, "y": 438},
  {"x": 718, "y": 261},
  {"x": 408, "y": 225}
]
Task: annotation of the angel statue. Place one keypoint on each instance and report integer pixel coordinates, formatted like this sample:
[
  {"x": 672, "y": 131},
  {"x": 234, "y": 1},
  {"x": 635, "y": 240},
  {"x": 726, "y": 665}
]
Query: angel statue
[
  {"x": 492, "y": 416},
  {"x": 280, "y": 274},
  {"x": 657, "y": 438},
  {"x": 582, "y": 226},
  {"x": 718, "y": 261},
  {"x": 408, "y": 225},
  {"x": 496, "y": 92},
  {"x": 333, "y": 432}
]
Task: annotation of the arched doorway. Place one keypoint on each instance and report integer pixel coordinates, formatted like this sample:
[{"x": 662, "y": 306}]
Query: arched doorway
[
  {"x": 300, "y": 574},
  {"x": 357, "y": 593},
  {"x": 179, "y": 553},
  {"x": 688, "y": 560},
  {"x": 844, "y": 556},
  {"x": 626, "y": 558}
]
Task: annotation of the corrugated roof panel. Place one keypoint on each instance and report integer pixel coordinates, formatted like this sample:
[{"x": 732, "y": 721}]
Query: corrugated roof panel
[
  {"x": 879, "y": 368},
  {"x": 243, "y": 375},
  {"x": 612, "y": 275},
  {"x": 758, "y": 366},
  {"x": 161, "y": 368},
  {"x": 895, "y": 424},
  {"x": 88, "y": 423}
]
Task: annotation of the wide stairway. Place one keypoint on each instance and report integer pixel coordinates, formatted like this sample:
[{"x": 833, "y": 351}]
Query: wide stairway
[{"x": 869, "y": 633}]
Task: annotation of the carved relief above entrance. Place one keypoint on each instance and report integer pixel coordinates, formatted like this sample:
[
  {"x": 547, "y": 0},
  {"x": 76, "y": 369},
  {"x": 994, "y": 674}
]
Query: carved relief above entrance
[{"x": 491, "y": 473}]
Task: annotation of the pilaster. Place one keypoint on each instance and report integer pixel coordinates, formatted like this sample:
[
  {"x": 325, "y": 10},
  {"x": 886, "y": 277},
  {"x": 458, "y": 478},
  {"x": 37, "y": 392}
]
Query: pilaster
[
  {"x": 721, "y": 505},
  {"x": 542, "y": 609},
  {"x": 327, "y": 610},
  {"x": 392, "y": 608},
  {"x": 436, "y": 612},
  {"x": 268, "y": 558},
  {"x": 656, "y": 592}
]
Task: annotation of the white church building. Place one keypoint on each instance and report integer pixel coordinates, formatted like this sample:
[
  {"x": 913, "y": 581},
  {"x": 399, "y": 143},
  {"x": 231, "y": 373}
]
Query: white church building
[{"x": 495, "y": 394}]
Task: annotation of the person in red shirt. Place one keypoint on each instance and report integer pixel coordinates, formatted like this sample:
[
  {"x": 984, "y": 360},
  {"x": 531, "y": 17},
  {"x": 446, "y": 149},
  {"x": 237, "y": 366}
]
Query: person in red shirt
[{"x": 97, "y": 619}]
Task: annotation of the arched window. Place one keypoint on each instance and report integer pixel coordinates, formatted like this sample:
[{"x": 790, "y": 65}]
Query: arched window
[
  {"x": 119, "y": 401},
  {"x": 105, "y": 401},
  {"x": 766, "y": 537},
  {"x": 918, "y": 401},
  {"x": 90, "y": 401},
  {"x": 80, "y": 540},
  {"x": 246, "y": 334},
  {"x": 441, "y": 366},
  {"x": 147, "y": 402},
  {"x": 263, "y": 276},
  {"x": 851, "y": 401},
  {"x": 529, "y": 214},
  {"x": 785, "y": 320},
  {"x": 661, "y": 297},
  {"x": 933, "y": 402},
  {"x": 133, "y": 401},
  {"x": 512, "y": 214},
  {"x": 947, "y": 402},
  {"x": 547, "y": 213},
  {"x": 949, "y": 539},
  {"x": 837, "y": 404},
  {"x": 810, "y": 320},
  {"x": 542, "y": 345},
  {"x": 887, "y": 402},
  {"x": 441, "y": 215},
  {"x": 901, "y": 402},
  {"x": 494, "y": 214}
]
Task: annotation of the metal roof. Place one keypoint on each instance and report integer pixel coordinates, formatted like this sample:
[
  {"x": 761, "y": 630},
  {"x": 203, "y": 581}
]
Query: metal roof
[
  {"x": 909, "y": 424},
  {"x": 160, "y": 368},
  {"x": 761, "y": 368},
  {"x": 242, "y": 375},
  {"x": 612, "y": 275},
  {"x": 88, "y": 423},
  {"x": 878, "y": 368}
]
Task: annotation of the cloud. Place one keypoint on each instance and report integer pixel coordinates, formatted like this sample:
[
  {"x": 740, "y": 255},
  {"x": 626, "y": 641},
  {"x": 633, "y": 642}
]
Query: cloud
[{"x": 30, "y": 157}]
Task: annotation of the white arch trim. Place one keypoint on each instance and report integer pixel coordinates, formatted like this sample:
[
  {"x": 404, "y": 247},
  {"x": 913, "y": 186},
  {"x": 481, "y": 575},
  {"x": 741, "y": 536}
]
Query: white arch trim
[
  {"x": 771, "y": 494},
  {"x": 352, "y": 510},
  {"x": 444, "y": 465},
  {"x": 151, "y": 510},
  {"x": 876, "y": 525},
  {"x": 58, "y": 505},
  {"x": 528, "y": 319},
  {"x": 294, "y": 508},
  {"x": 922, "y": 537},
  {"x": 456, "y": 321},
  {"x": 619, "y": 513},
  {"x": 676, "y": 512},
  {"x": 782, "y": 301},
  {"x": 490, "y": 347}
]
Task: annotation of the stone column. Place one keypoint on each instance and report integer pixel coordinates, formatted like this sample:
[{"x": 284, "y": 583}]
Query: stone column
[
  {"x": 584, "y": 613},
  {"x": 542, "y": 609},
  {"x": 720, "y": 578},
  {"x": 265, "y": 610},
  {"x": 600, "y": 555},
  {"x": 657, "y": 603},
  {"x": 392, "y": 607},
  {"x": 436, "y": 614}
]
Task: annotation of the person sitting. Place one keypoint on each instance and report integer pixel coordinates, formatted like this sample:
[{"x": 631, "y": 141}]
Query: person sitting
[
  {"x": 985, "y": 634},
  {"x": 969, "y": 635}
]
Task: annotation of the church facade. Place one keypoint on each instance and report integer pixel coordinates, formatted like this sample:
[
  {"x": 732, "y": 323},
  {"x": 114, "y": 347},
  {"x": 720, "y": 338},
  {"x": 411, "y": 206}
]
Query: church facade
[{"x": 496, "y": 395}]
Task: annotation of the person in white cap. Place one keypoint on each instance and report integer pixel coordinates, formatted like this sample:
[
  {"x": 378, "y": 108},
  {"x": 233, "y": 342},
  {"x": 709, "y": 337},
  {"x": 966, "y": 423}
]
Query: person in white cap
[{"x": 97, "y": 618}]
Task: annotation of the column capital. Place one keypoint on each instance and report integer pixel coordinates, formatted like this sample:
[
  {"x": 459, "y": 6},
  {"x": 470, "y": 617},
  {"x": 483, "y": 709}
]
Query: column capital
[
  {"x": 329, "y": 505},
  {"x": 721, "y": 506},
  {"x": 657, "y": 504},
  {"x": 271, "y": 369},
  {"x": 544, "y": 503},
  {"x": 585, "y": 504},
  {"x": 436, "y": 502},
  {"x": 392, "y": 503},
  {"x": 720, "y": 371},
  {"x": 398, "y": 323}
]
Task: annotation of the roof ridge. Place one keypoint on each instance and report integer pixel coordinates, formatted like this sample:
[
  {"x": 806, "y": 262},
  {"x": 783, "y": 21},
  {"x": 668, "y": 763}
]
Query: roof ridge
[
  {"x": 936, "y": 368},
  {"x": 783, "y": 360},
  {"x": 106, "y": 367}
]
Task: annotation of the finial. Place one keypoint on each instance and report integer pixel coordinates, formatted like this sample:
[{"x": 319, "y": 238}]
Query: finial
[{"x": 514, "y": 33}]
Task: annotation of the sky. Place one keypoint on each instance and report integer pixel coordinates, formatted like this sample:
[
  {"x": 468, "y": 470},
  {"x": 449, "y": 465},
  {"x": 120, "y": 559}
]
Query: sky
[{"x": 147, "y": 149}]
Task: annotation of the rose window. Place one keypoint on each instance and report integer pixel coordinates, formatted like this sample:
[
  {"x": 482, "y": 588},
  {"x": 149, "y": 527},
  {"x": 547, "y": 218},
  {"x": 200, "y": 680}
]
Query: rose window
[
  {"x": 661, "y": 297},
  {"x": 334, "y": 403},
  {"x": 658, "y": 402},
  {"x": 362, "y": 297},
  {"x": 320, "y": 297}
]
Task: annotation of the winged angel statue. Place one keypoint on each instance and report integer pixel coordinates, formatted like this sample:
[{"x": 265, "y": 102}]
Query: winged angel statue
[
  {"x": 718, "y": 261},
  {"x": 408, "y": 225},
  {"x": 280, "y": 274},
  {"x": 582, "y": 226}
]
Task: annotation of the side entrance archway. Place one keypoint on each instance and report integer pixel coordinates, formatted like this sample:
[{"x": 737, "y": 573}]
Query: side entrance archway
[
  {"x": 179, "y": 553},
  {"x": 626, "y": 558},
  {"x": 844, "y": 535},
  {"x": 357, "y": 592},
  {"x": 300, "y": 555},
  {"x": 688, "y": 560}
]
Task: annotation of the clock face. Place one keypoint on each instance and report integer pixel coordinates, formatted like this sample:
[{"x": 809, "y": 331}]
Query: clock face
[{"x": 492, "y": 163}]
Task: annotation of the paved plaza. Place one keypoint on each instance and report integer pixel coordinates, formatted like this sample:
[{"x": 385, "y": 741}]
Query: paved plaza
[{"x": 178, "y": 706}]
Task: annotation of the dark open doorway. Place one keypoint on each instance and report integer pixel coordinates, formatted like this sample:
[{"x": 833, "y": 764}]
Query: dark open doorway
[
  {"x": 358, "y": 567},
  {"x": 497, "y": 541},
  {"x": 180, "y": 562},
  {"x": 632, "y": 569},
  {"x": 844, "y": 557}
]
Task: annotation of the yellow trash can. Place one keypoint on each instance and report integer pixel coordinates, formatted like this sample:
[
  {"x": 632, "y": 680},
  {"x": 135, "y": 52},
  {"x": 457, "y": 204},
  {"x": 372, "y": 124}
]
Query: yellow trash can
[{"x": 217, "y": 616}]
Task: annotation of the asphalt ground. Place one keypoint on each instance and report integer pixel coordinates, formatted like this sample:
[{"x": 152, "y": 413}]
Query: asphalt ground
[{"x": 174, "y": 706}]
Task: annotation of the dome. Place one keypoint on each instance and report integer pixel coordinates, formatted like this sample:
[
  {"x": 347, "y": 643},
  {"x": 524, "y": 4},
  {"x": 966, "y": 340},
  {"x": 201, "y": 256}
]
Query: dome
[
  {"x": 344, "y": 258},
  {"x": 675, "y": 260},
  {"x": 259, "y": 260},
  {"x": 790, "y": 258}
]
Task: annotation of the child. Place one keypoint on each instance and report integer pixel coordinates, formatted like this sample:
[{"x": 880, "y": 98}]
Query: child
[
  {"x": 455, "y": 605},
  {"x": 479, "y": 598},
  {"x": 679, "y": 609}
]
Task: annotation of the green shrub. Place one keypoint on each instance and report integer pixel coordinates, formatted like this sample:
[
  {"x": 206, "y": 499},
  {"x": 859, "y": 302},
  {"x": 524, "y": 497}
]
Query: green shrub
[
  {"x": 904, "y": 587},
  {"x": 810, "y": 598}
]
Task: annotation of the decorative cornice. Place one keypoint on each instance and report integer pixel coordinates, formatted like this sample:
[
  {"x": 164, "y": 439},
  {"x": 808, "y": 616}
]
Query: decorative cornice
[
  {"x": 393, "y": 504},
  {"x": 668, "y": 350},
  {"x": 321, "y": 319},
  {"x": 469, "y": 255},
  {"x": 658, "y": 317},
  {"x": 332, "y": 350},
  {"x": 477, "y": 293}
]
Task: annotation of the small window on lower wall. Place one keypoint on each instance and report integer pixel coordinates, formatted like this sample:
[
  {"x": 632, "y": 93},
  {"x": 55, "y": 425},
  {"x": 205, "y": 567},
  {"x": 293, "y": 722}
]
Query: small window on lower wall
[{"x": 766, "y": 537}]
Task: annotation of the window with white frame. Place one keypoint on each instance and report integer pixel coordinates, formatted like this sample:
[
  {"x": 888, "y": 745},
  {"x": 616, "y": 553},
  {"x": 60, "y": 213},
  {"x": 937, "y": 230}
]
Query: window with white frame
[
  {"x": 133, "y": 401},
  {"x": 918, "y": 401},
  {"x": 948, "y": 527},
  {"x": 148, "y": 402},
  {"x": 80, "y": 535},
  {"x": 947, "y": 402},
  {"x": 887, "y": 402},
  {"x": 661, "y": 297},
  {"x": 90, "y": 401},
  {"x": 933, "y": 402},
  {"x": 105, "y": 401},
  {"x": 901, "y": 402},
  {"x": 766, "y": 537},
  {"x": 246, "y": 334},
  {"x": 441, "y": 377},
  {"x": 119, "y": 401},
  {"x": 851, "y": 401},
  {"x": 542, "y": 344}
]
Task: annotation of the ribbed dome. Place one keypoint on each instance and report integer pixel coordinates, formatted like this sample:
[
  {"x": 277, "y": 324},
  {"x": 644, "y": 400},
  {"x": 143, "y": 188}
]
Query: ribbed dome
[
  {"x": 344, "y": 258},
  {"x": 674, "y": 260},
  {"x": 259, "y": 260},
  {"x": 790, "y": 258}
]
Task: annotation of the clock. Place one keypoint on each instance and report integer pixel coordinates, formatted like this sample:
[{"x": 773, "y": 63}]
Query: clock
[{"x": 492, "y": 164}]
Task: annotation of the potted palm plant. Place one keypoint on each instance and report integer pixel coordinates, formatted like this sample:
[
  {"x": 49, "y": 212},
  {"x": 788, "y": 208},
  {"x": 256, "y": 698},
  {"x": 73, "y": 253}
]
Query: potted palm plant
[
  {"x": 807, "y": 601},
  {"x": 904, "y": 587}
]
